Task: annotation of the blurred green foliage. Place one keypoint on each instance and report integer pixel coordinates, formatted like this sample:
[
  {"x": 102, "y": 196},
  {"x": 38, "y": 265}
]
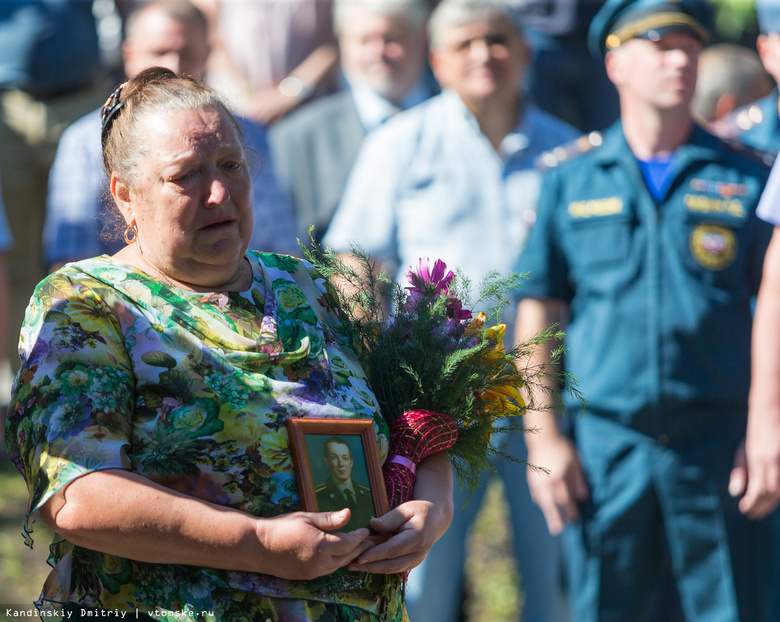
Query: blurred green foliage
[
  {"x": 735, "y": 21},
  {"x": 22, "y": 570},
  {"x": 492, "y": 580}
]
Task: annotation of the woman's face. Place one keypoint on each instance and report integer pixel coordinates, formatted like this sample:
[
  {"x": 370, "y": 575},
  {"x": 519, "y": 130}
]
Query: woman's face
[{"x": 192, "y": 202}]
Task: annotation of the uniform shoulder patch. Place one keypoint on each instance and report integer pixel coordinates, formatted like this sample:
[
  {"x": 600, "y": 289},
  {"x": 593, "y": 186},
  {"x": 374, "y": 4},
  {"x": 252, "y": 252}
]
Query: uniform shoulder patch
[
  {"x": 734, "y": 146},
  {"x": 568, "y": 151},
  {"x": 738, "y": 121}
]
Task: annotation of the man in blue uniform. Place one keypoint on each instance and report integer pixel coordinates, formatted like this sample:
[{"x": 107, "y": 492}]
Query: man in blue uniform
[{"x": 649, "y": 243}]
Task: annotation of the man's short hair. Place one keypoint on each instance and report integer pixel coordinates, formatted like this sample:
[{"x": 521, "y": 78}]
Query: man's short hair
[
  {"x": 332, "y": 440},
  {"x": 727, "y": 69},
  {"x": 182, "y": 11},
  {"x": 345, "y": 11},
  {"x": 450, "y": 13}
]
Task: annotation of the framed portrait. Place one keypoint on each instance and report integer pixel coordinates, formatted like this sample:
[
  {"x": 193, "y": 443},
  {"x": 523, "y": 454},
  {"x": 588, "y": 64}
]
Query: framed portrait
[{"x": 337, "y": 466}]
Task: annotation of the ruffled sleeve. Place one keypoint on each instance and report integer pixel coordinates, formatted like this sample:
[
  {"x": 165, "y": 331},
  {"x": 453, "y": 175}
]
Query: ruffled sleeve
[{"x": 71, "y": 404}]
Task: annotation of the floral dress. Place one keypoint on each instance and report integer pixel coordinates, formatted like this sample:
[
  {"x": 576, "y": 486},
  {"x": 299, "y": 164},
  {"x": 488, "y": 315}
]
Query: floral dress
[{"x": 192, "y": 391}]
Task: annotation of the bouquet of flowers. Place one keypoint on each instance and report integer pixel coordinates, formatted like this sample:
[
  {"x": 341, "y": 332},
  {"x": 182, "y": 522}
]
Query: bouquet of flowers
[{"x": 442, "y": 376}]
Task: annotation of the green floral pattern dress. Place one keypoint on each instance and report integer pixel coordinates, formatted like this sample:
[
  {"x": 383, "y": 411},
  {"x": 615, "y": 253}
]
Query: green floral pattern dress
[{"x": 192, "y": 391}]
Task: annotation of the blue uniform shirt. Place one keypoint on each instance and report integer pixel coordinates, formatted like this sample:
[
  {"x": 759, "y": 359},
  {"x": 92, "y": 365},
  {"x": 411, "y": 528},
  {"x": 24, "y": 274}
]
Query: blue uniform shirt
[
  {"x": 659, "y": 292},
  {"x": 756, "y": 125}
]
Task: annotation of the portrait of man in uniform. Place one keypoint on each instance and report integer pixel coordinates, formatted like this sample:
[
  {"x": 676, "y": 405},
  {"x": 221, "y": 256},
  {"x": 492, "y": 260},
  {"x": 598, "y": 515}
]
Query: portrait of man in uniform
[
  {"x": 337, "y": 466},
  {"x": 339, "y": 484}
]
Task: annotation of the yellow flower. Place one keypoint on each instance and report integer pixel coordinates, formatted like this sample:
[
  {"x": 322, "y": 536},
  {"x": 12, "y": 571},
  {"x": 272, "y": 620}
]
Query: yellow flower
[
  {"x": 112, "y": 564},
  {"x": 275, "y": 449},
  {"x": 383, "y": 445},
  {"x": 497, "y": 333},
  {"x": 508, "y": 397},
  {"x": 289, "y": 296},
  {"x": 188, "y": 417},
  {"x": 89, "y": 313},
  {"x": 476, "y": 325},
  {"x": 339, "y": 367},
  {"x": 363, "y": 392},
  {"x": 139, "y": 291},
  {"x": 242, "y": 426},
  {"x": 494, "y": 333}
]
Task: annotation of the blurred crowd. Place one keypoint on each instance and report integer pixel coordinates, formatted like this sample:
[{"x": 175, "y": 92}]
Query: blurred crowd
[{"x": 370, "y": 121}]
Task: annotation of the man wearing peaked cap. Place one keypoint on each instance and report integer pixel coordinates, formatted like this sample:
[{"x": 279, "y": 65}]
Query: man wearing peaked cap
[
  {"x": 650, "y": 246},
  {"x": 621, "y": 20}
]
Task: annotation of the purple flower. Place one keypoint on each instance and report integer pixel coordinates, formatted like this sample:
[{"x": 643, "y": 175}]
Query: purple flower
[
  {"x": 455, "y": 307},
  {"x": 430, "y": 283},
  {"x": 426, "y": 280}
]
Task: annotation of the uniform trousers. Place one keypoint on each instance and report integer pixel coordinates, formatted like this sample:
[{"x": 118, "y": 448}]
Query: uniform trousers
[{"x": 645, "y": 489}]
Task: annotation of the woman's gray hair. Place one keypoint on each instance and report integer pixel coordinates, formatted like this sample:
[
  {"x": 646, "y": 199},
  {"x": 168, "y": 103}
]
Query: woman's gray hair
[
  {"x": 450, "y": 13},
  {"x": 345, "y": 11},
  {"x": 153, "y": 92}
]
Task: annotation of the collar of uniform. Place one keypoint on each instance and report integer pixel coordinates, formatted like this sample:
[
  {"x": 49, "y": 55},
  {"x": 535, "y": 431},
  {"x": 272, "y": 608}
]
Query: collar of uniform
[
  {"x": 700, "y": 146},
  {"x": 344, "y": 489},
  {"x": 613, "y": 146}
]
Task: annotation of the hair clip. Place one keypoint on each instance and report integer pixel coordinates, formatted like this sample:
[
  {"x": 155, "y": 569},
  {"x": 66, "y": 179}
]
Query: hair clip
[{"x": 109, "y": 112}]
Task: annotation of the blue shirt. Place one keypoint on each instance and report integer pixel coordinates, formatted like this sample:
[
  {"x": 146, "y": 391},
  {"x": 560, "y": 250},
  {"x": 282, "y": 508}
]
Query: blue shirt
[
  {"x": 47, "y": 45},
  {"x": 659, "y": 295},
  {"x": 765, "y": 134},
  {"x": 429, "y": 183},
  {"x": 78, "y": 187},
  {"x": 756, "y": 125},
  {"x": 657, "y": 173}
]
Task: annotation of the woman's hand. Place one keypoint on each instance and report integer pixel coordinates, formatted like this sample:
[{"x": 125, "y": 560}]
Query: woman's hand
[
  {"x": 299, "y": 545},
  {"x": 413, "y": 526},
  {"x": 125, "y": 514}
]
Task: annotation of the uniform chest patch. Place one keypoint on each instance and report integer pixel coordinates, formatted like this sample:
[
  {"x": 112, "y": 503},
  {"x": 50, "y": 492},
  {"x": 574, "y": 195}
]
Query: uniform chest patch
[
  {"x": 713, "y": 247},
  {"x": 711, "y": 205},
  {"x": 596, "y": 207}
]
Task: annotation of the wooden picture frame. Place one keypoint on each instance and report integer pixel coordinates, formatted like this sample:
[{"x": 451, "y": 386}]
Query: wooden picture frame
[{"x": 322, "y": 450}]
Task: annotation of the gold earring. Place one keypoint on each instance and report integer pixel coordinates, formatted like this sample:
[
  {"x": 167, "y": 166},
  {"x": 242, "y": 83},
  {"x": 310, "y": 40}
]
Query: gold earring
[{"x": 131, "y": 235}]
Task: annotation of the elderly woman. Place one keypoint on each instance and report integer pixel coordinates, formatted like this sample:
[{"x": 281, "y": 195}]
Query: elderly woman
[{"x": 149, "y": 414}]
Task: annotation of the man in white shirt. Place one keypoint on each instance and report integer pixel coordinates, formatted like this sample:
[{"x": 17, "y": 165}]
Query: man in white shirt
[
  {"x": 383, "y": 49},
  {"x": 455, "y": 178}
]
